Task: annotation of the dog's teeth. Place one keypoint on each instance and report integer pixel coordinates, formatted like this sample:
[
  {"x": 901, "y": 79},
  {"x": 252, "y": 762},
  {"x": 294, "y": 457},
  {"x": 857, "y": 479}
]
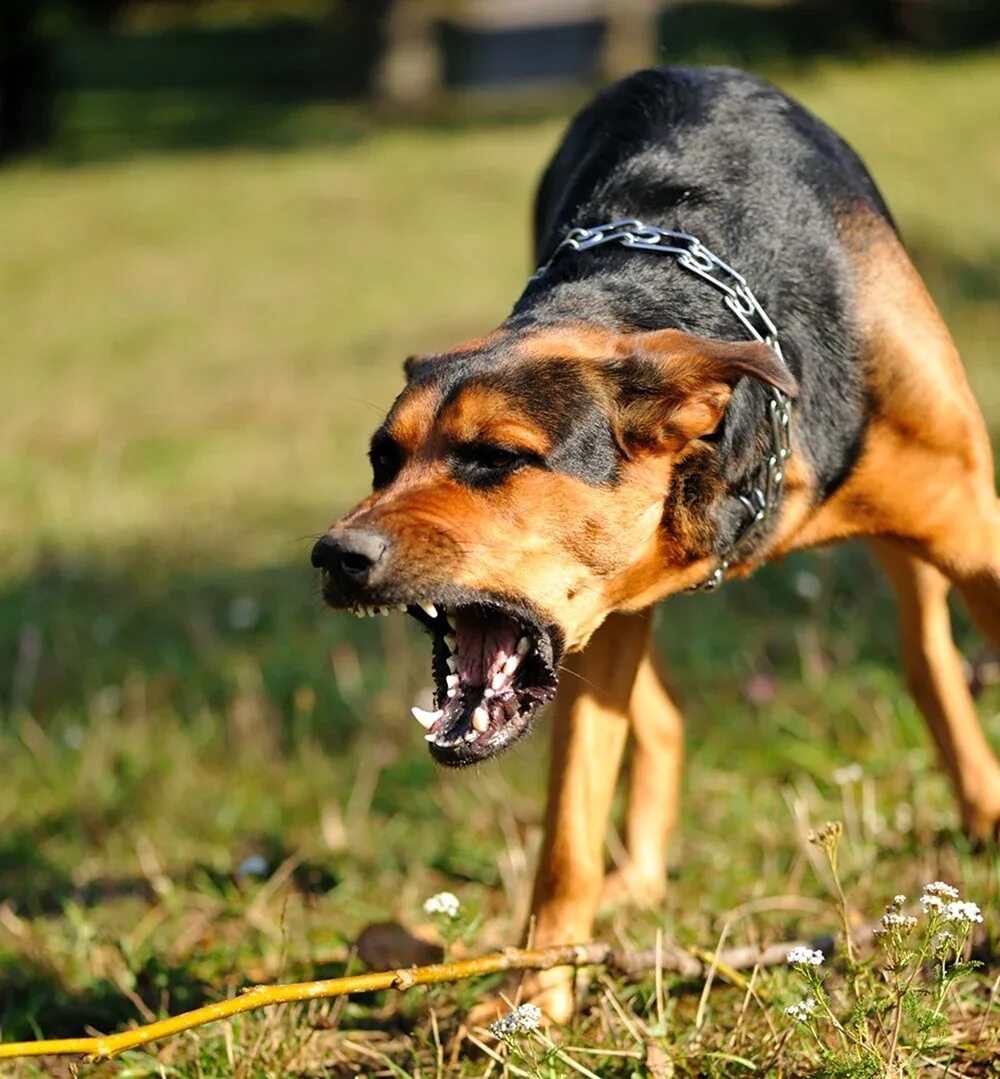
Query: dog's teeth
[
  {"x": 452, "y": 664},
  {"x": 499, "y": 681},
  {"x": 471, "y": 736},
  {"x": 488, "y": 692},
  {"x": 481, "y": 719},
  {"x": 426, "y": 719},
  {"x": 511, "y": 665},
  {"x": 451, "y": 641},
  {"x": 510, "y": 706},
  {"x": 383, "y": 611},
  {"x": 402, "y": 608},
  {"x": 453, "y": 692},
  {"x": 523, "y": 646},
  {"x": 429, "y": 609},
  {"x": 451, "y": 680}
]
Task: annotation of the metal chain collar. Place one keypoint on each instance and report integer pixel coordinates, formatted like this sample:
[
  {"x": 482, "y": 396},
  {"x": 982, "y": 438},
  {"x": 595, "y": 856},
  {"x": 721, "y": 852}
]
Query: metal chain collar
[{"x": 761, "y": 502}]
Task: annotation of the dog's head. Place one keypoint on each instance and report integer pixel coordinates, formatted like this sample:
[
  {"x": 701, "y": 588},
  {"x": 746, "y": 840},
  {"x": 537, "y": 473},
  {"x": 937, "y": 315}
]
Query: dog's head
[{"x": 526, "y": 485}]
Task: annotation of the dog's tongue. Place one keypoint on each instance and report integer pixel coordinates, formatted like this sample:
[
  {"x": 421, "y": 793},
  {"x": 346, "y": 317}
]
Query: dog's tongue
[{"x": 484, "y": 646}]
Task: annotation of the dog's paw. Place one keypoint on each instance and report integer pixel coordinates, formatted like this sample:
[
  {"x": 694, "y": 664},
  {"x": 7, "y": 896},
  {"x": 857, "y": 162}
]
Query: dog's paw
[
  {"x": 553, "y": 991},
  {"x": 631, "y": 886},
  {"x": 981, "y": 823}
]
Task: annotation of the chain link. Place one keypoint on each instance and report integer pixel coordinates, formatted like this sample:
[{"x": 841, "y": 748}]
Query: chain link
[{"x": 761, "y": 502}]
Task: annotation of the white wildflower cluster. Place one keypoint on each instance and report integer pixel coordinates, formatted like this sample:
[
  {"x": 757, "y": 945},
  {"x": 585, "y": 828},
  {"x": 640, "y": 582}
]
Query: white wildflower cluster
[
  {"x": 936, "y": 894},
  {"x": 802, "y": 1010},
  {"x": 939, "y": 888},
  {"x": 943, "y": 899},
  {"x": 802, "y": 956},
  {"x": 962, "y": 912},
  {"x": 893, "y": 919},
  {"x": 444, "y": 903},
  {"x": 943, "y": 942},
  {"x": 522, "y": 1020}
]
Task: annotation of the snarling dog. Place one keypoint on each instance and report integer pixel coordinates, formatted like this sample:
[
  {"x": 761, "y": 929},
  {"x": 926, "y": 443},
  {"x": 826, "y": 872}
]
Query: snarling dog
[{"x": 726, "y": 355}]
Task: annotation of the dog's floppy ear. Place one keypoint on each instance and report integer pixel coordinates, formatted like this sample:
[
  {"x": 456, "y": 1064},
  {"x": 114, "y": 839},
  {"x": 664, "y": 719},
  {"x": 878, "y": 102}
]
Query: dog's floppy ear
[{"x": 673, "y": 387}]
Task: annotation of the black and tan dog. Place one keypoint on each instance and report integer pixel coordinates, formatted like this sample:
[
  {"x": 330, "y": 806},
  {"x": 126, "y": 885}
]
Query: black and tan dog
[{"x": 625, "y": 435}]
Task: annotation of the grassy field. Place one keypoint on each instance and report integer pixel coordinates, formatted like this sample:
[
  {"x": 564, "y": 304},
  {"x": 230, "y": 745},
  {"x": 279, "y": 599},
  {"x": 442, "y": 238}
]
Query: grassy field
[{"x": 208, "y": 781}]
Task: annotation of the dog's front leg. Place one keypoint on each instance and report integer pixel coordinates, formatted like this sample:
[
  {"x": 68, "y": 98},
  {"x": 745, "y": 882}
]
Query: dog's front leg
[{"x": 590, "y": 725}]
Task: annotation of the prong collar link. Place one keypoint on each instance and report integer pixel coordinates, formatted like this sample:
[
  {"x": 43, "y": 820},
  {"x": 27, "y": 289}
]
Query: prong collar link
[{"x": 760, "y": 502}]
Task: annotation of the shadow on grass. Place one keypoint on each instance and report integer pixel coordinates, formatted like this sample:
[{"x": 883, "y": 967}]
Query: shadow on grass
[
  {"x": 80, "y": 638},
  {"x": 36, "y": 886},
  {"x": 34, "y": 1000}
]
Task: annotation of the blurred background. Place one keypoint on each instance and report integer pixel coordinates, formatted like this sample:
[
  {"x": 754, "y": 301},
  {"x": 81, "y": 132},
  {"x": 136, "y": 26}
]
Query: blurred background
[{"x": 223, "y": 224}]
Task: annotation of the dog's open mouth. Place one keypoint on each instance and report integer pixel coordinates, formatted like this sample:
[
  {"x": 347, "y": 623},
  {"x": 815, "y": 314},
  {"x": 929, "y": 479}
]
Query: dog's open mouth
[{"x": 493, "y": 669}]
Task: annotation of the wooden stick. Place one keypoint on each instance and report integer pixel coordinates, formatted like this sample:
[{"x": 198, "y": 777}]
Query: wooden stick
[
  {"x": 667, "y": 958},
  {"x": 263, "y": 996}
]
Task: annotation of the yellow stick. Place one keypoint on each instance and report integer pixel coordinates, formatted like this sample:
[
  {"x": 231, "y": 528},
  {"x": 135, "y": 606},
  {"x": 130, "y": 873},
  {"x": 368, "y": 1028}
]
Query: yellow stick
[{"x": 262, "y": 996}]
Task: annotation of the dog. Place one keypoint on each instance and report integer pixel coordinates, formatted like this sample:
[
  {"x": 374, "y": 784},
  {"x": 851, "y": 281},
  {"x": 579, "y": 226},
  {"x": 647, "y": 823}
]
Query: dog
[{"x": 726, "y": 355}]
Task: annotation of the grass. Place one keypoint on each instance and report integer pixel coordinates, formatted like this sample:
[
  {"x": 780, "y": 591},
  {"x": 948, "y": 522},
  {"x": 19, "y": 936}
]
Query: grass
[{"x": 209, "y": 781}]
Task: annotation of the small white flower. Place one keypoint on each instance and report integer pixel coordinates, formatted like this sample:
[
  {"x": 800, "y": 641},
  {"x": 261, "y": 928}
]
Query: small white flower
[
  {"x": 943, "y": 941},
  {"x": 930, "y": 902},
  {"x": 898, "y": 900},
  {"x": 443, "y": 903},
  {"x": 523, "y": 1019},
  {"x": 808, "y": 585},
  {"x": 802, "y": 1010},
  {"x": 962, "y": 912},
  {"x": 939, "y": 888},
  {"x": 849, "y": 773},
  {"x": 805, "y": 957}
]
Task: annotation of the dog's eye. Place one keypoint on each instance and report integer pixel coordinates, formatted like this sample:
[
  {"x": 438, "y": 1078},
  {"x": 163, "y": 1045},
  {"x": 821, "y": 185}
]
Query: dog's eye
[
  {"x": 486, "y": 458},
  {"x": 386, "y": 459},
  {"x": 482, "y": 464}
]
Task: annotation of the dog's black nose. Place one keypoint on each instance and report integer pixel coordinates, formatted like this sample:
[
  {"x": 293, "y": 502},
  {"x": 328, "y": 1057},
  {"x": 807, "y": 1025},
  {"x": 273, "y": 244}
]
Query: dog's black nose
[{"x": 352, "y": 555}]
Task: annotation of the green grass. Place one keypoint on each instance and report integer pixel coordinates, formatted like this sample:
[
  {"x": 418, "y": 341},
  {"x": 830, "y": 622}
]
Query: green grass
[{"x": 195, "y": 348}]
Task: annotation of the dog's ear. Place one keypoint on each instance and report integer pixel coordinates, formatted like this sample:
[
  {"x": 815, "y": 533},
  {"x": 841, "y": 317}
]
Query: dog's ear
[
  {"x": 413, "y": 365},
  {"x": 672, "y": 387}
]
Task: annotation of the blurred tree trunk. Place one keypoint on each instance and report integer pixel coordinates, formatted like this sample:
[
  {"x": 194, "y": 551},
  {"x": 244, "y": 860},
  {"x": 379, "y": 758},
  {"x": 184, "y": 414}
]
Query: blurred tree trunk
[
  {"x": 632, "y": 39},
  {"x": 409, "y": 72},
  {"x": 26, "y": 89}
]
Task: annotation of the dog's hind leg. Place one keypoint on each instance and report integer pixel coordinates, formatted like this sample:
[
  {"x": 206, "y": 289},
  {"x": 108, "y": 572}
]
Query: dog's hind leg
[
  {"x": 589, "y": 728},
  {"x": 657, "y": 740},
  {"x": 936, "y": 678}
]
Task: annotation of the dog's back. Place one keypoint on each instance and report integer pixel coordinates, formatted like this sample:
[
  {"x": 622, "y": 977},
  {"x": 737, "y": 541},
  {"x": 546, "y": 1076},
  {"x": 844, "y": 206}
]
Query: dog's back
[{"x": 709, "y": 146}]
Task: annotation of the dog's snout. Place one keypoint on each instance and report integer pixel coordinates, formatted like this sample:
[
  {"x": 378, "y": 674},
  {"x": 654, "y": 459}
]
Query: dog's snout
[{"x": 353, "y": 555}]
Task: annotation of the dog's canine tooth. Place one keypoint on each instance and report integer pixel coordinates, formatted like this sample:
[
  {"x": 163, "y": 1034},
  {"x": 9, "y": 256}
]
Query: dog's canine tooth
[
  {"x": 523, "y": 646},
  {"x": 481, "y": 719},
  {"x": 424, "y": 718},
  {"x": 428, "y": 608},
  {"x": 511, "y": 665},
  {"x": 452, "y": 664}
]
